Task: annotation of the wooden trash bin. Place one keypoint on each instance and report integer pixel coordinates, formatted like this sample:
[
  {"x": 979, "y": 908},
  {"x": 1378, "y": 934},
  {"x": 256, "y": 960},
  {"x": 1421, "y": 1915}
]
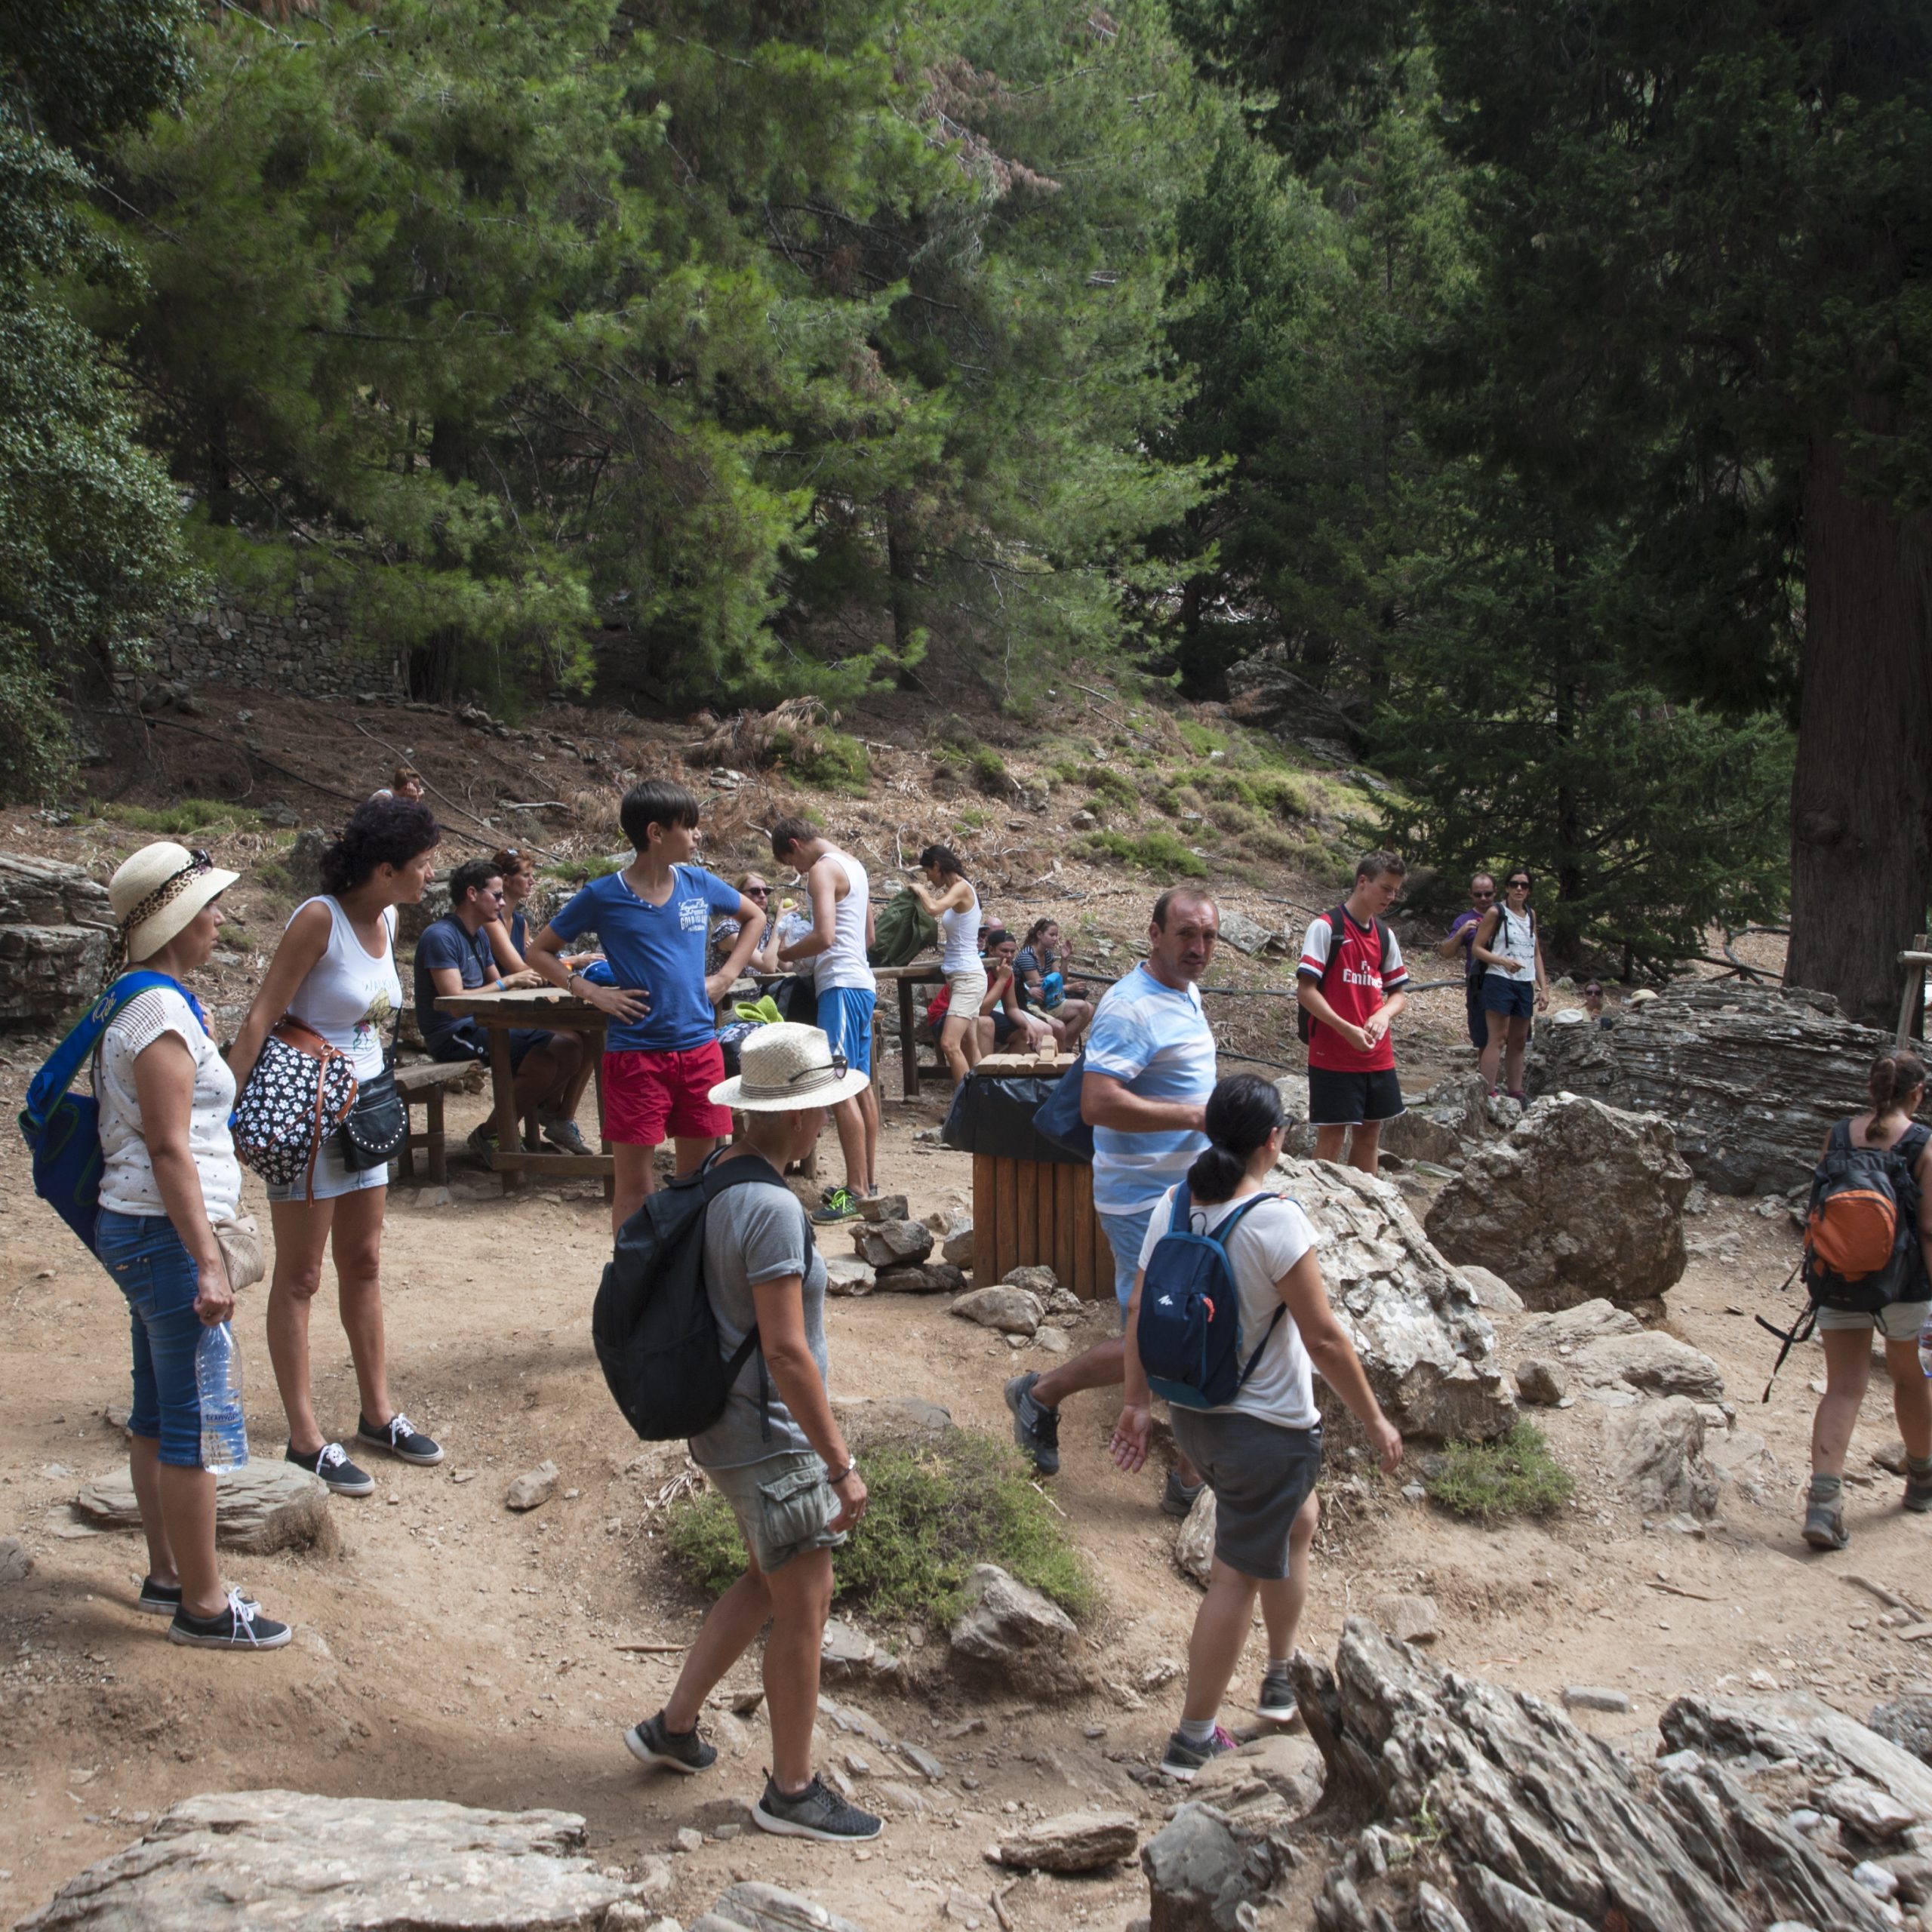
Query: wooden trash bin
[{"x": 1037, "y": 1211}]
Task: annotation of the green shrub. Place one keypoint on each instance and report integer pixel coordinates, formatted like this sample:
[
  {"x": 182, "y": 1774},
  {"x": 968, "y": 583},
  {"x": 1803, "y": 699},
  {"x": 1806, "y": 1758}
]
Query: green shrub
[
  {"x": 1158, "y": 851},
  {"x": 935, "y": 1509},
  {"x": 580, "y": 872},
  {"x": 176, "y": 821},
  {"x": 830, "y": 761},
  {"x": 1110, "y": 784},
  {"x": 1200, "y": 738},
  {"x": 990, "y": 772},
  {"x": 971, "y": 819},
  {"x": 1515, "y": 1475}
]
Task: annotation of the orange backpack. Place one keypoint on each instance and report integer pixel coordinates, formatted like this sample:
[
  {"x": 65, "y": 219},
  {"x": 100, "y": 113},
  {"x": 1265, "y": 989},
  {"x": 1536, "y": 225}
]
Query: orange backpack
[{"x": 1861, "y": 1231}]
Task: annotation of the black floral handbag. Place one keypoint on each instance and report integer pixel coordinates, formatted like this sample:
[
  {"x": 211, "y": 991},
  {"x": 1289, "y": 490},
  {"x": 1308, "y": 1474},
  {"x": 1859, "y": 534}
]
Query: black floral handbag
[{"x": 301, "y": 1089}]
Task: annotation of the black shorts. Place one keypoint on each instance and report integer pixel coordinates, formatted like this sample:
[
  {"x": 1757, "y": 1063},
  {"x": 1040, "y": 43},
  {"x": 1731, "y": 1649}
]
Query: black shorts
[
  {"x": 1352, "y": 1099},
  {"x": 467, "y": 1039}
]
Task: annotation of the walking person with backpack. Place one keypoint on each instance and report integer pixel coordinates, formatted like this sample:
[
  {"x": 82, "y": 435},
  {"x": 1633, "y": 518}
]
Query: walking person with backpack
[
  {"x": 1868, "y": 1265},
  {"x": 775, "y": 1453},
  {"x": 1229, "y": 1320},
  {"x": 1350, "y": 987},
  {"x": 169, "y": 1182},
  {"x": 1461, "y": 939},
  {"x": 1508, "y": 952}
]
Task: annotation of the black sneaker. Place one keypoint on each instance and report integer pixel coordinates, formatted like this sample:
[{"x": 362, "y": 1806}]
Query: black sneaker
[
  {"x": 164, "y": 1599},
  {"x": 816, "y": 1813},
  {"x": 1182, "y": 1760},
  {"x": 1917, "y": 1496},
  {"x": 650, "y": 1742},
  {"x": 841, "y": 1205},
  {"x": 239, "y": 1626},
  {"x": 335, "y": 1470},
  {"x": 397, "y": 1437},
  {"x": 1035, "y": 1427},
  {"x": 1277, "y": 1704},
  {"x": 1179, "y": 1498}
]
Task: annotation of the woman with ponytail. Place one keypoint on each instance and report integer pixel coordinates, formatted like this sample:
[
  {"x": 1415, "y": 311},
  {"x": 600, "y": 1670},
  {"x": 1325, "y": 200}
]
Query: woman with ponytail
[
  {"x": 1897, "y": 1089},
  {"x": 949, "y": 897},
  {"x": 1261, "y": 1451}
]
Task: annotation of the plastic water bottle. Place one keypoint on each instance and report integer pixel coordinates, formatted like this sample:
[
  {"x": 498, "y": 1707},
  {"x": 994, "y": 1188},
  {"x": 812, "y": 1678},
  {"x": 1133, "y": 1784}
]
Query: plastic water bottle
[{"x": 218, "y": 1382}]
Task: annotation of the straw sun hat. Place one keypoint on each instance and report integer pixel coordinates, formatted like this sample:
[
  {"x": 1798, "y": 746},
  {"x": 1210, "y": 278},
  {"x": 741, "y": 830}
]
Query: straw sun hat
[
  {"x": 156, "y": 894},
  {"x": 787, "y": 1068}
]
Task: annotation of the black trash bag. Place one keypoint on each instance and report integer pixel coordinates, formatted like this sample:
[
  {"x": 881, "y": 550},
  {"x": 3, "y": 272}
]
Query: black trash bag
[
  {"x": 995, "y": 1117},
  {"x": 797, "y": 999}
]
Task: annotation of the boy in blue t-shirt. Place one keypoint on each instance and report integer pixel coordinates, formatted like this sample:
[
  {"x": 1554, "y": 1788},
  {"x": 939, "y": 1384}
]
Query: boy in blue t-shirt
[{"x": 661, "y": 1056}]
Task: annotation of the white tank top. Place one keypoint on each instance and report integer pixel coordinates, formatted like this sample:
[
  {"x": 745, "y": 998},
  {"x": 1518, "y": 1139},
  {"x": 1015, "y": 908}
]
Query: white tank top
[
  {"x": 960, "y": 933},
  {"x": 348, "y": 998},
  {"x": 843, "y": 963},
  {"x": 1516, "y": 938}
]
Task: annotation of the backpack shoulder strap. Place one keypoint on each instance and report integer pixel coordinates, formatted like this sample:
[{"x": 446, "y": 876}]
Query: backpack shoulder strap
[
  {"x": 1338, "y": 931},
  {"x": 57, "y": 1075}
]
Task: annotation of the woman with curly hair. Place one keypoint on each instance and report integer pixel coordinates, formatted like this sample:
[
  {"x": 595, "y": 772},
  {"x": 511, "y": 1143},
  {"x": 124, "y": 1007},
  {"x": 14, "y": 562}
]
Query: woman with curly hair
[{"x": 335, "y": 972}]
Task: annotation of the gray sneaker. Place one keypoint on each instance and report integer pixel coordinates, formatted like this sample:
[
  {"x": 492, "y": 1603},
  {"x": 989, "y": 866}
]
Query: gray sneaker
[
  {"x": 563, "y": 1135},
  {"x": 1181, "y": 1759},
  {"x": 1277, "y": 1704},
  {"x": 650, "y": 1742},
  {"x": 815, "y": 1813},
  {"x": 1824, "y": 1526},
  {"x": 1035, "y": 1427},
  {"x": 1179, "y": 1498}
]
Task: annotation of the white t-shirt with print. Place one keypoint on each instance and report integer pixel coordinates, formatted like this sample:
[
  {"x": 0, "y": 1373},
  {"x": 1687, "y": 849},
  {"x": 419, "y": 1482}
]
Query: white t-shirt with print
[
  {"x": 1270, "y": 1240},
  {"x": 127, "y": 1179}
]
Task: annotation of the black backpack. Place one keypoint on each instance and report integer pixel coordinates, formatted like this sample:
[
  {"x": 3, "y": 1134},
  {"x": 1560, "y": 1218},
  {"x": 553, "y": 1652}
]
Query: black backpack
[
  {"x": 1337, "y": 932},
  {"x": 1478, "y": 968},
  {"x": 655, "y": 1331}
]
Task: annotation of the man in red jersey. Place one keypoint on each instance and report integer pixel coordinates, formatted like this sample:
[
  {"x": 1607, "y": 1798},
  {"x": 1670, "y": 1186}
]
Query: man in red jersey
[{"x": 1350, "y": 985}]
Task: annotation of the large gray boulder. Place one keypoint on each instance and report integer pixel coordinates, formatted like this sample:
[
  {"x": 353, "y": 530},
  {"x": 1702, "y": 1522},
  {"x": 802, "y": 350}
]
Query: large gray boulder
[
  {"x": 1606, "y": 1347},
  {"x": 55, "y": 927},
  {"x": 1429, "y": 1351},
  {"x": 1011, "y": 1636},
  {"x": 1750, "y": 1078},
  {"x": 1657, "y": 1457},
  {"x": 238, "y": 1861},
  {"x": 1208, "y": 1871},
  {"x": 1581, "y": 1201},
  {"x": 264, "y": 1506}
]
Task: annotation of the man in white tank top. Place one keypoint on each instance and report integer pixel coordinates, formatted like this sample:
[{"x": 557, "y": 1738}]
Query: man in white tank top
[{"x": 841, "y": 896}]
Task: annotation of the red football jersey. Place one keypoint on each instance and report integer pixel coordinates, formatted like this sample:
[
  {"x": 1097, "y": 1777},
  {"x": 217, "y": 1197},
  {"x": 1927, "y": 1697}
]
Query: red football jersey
[{"x": 1356, "y": 988}]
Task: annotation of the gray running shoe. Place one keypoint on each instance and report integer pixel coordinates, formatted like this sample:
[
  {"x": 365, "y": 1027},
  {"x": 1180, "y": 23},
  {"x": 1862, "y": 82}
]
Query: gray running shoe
[
  {"x": 1277, "y": 1704},
  {"x": 1035, "y": 1427},
  {"x": 563, "y": 1135},
  {"x": 816, "y": 1813},
  {"x": 650, "y": 1742},
  {"x": 1917, "y": 1496},
  {"x": 1181, "y": 1759},
  {"x": 1178, "y": 1497},
  {"x": 1824, "y": 1526}
]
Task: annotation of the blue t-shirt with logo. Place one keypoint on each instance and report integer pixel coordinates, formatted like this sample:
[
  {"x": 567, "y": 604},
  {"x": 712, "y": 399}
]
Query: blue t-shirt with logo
[
  {"x": 659, "y": 949},
  {"x": 446, "y": 942},
  {"x": 1155, "y": 1041}
]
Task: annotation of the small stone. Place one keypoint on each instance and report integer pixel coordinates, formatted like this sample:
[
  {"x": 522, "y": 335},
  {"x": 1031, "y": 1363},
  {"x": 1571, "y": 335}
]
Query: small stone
[
  {"x": 532, "y": 1487},
  {"x": 1053, "y": 1340},
  {"x": 846, "y": 1275},
  {"x": 16, "y": 1560},
  {"x": 684, "y": 1839},
  {"x": 892, "y": 1244},
  {"x": 1541, "y": 1382},
  {"x": 1874, "y": 1878},
  {"x": 1035, "y": 1278},
  {"x": 1077, "y": 1841},
  {"x": 463, "y": 1475},
  {"x": 1412, "y": 1619},
  {"x": 725, "y": 1833},
  {"x": 928, "y": 1766},
  {"x": 884, "y": 1207},
  {"x": 1589, "y": 1697},
  {"x": 1012, "y": 1311},
  {"x": 1162, "y": 1671},
  {"x": 1872, "y": 1814},
  {"x": 967, "y": 1727},
  {"x": 265, "y": 1506}
]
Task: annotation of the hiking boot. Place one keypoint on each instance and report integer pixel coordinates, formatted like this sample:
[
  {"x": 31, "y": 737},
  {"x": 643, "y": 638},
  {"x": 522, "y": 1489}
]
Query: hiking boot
[
  {"x": 164, "y": 1599},
  {"x": 239, "y": 1626},
  {"x": 400, "y": 1439},
  {"x": 1824, "y": 1526},
  {"x": 650, "y": 1742},
  {"x": 1276, "y": 1704},
  {"x": 335, "y": 1470},
  {"x": 563, "y": 1135},
  {"x": 1035, "y": 1427},
  {"x": 1917, "y": 1496},
  {"x": 815, "y": 1813},
  {"x": 1178, "y": 1498},
  {"x": 1181, "y": 1759},
  {"x": 841, "y": 1205}
]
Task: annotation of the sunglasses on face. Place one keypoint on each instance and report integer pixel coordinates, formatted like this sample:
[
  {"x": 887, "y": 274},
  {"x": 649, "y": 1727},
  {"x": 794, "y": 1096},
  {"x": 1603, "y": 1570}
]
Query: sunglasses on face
[
  {"x": 1490, "y": 894},
  {"x": 1517, "y": 883},
  {"x": 758, "y": 892}
]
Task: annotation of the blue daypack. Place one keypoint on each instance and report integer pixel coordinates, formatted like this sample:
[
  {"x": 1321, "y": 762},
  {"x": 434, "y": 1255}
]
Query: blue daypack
[
  {"x": 1188, "y": 1334},
  {"x": 1057, "y": 1117},
  {"x": 62, "y": 1129}
]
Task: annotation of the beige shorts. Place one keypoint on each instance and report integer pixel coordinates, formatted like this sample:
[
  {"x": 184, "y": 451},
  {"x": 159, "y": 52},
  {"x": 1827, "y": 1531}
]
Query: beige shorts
[
  {"x": 1900, "y": 1321},
  {"x": 968, "y": 987},
  {"x": 783, "y": 1504}
]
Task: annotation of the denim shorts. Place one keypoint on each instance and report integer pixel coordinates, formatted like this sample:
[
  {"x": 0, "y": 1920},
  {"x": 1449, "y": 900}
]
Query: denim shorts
[
  {"x": 158, "y": 1275},
  {"x": 1126, "y": 1236},
  {"x": 783, "y": 1505},
  {"x": 334, "y": 1177}
]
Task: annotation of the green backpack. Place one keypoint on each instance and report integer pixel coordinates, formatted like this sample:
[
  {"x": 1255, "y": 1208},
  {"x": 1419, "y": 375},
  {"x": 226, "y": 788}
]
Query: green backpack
[{"x": 901, "y": 931}]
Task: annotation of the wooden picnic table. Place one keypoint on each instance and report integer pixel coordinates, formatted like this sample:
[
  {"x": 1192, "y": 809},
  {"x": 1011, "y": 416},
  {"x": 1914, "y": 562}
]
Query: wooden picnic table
[
  {"x": 920, "y": 973},
  {"x": 497, "y": 1010}
]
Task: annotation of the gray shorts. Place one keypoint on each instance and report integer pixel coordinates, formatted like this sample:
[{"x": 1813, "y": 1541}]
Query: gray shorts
[
  {"x": 783, "y": 1504},
  {"x": 1898, "y": 1322},
  {"x": 1261, "y": 1474}
]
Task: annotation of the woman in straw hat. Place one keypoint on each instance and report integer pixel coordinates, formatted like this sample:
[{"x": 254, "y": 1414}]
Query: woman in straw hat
[
  {"x": 168, "y": 1173},
  {"x": 335, "y": 971},
  {"x": 775, "y": 1455}
]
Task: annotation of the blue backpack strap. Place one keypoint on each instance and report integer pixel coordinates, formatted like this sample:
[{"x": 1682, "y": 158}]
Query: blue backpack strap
[
  {"x": 1180, "y": 1221},
  {"x": 50, "y": 1085}
]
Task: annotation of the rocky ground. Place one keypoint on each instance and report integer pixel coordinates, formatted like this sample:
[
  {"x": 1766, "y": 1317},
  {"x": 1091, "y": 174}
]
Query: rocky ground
[{"x": 449, "y": 1648}]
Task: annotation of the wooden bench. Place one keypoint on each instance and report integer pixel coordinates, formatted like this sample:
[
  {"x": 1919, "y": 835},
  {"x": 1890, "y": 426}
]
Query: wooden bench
[{"x": 424, "y": 1085}]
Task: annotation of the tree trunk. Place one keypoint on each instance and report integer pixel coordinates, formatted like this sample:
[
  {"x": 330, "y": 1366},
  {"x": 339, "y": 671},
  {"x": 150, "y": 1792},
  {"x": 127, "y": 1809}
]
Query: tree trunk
[
  {"x": 901, "y": 584},
  {"x": 1861, "y": 798}
]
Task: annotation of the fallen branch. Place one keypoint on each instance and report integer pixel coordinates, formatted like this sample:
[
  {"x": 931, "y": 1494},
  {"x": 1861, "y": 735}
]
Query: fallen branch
[
  {"x": 1885, "y": 1596},
  {"x": 654, "y": 1650},
  {"x": 999, "y": 1911},
  {"x": 1678, "y": 1590}
]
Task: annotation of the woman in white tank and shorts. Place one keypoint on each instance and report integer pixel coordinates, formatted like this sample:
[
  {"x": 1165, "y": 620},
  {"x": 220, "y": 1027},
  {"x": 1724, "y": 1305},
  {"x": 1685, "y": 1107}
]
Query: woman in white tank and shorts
[
  {"x": 952, "y": 900},
  {"x": 335, "y": 971}
]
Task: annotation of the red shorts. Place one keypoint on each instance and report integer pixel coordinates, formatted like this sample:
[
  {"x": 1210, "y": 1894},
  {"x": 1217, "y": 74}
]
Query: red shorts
[{"x": 646, "y": 1095}]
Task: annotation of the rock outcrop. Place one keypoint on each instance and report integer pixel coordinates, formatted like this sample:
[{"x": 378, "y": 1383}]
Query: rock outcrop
[
  {"x": 1657, "y": 1458},
  {"x": 1603, "y": 1347},
  {"x": 1011, "y": 1635},
  {"x": 1263, "y": 691},
  {"x": 55, "y": 926},
  {"x": 1429, "y": 1351},
  {"x": 1076, "y": 1841},
  {"x": 1581, "y": 1200},
  {"x": 1750, "y": 1078},
  {"x": 237, "y": 1861},
  {"x": 261, "y": 1507}
]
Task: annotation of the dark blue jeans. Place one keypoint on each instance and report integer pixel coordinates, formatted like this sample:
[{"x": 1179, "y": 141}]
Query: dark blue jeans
[{"x": 158, "y": 1275}]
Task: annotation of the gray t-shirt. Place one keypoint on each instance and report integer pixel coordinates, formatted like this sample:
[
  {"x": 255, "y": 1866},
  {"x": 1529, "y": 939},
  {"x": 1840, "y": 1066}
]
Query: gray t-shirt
[{"x": 757, "y": 1232}]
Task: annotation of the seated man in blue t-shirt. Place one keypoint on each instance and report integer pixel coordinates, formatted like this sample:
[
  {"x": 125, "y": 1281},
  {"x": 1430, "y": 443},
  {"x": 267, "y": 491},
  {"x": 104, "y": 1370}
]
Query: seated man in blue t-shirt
[{"x": 453, "y": 956}]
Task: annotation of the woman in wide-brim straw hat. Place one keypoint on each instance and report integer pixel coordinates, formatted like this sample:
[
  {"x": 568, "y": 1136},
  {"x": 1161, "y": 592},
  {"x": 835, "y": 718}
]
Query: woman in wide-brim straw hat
[
  {"x": 168, "y": 1173},
  {"x": 775, "y": 1455}
]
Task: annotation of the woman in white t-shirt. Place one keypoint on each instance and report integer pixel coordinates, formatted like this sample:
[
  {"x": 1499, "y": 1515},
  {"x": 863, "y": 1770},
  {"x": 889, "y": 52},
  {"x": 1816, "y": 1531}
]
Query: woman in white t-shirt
[
  {"x": 168, "y": 1173},
  {"x": 335, "y": 971},
  {"x": 1261, "y": 1451}
]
